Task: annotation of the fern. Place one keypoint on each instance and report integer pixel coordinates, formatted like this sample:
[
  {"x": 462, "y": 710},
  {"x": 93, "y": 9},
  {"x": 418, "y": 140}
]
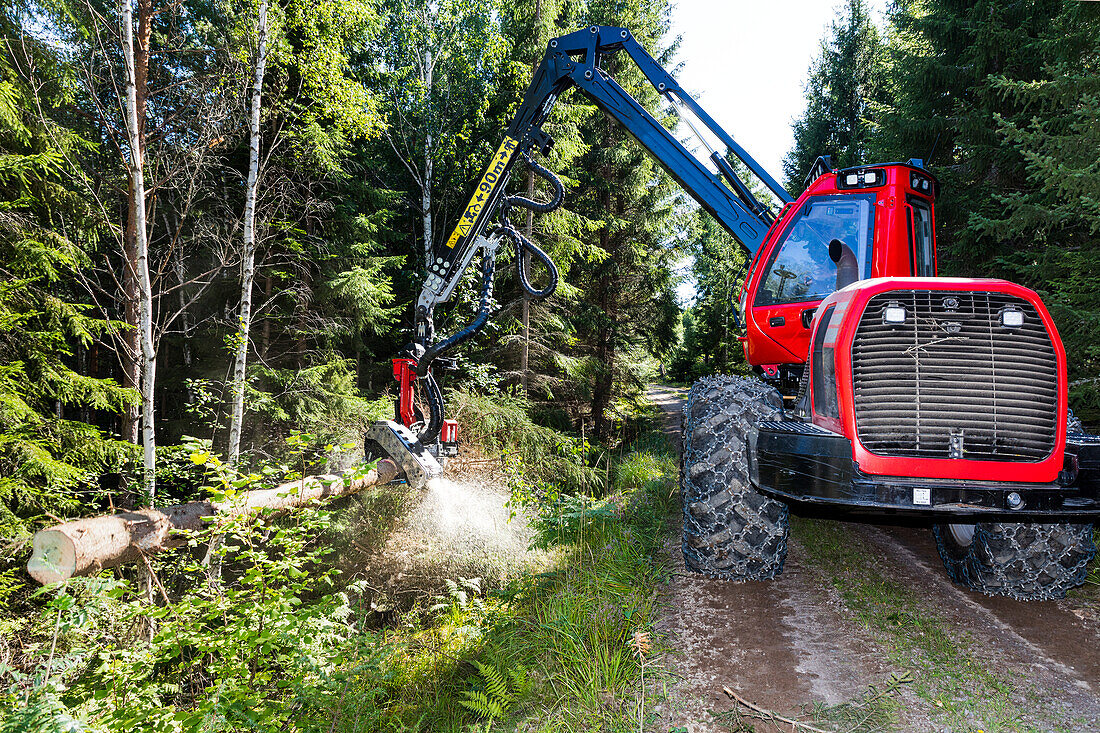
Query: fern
[
  {"x": 499, "y": 690},
  {"x": 42, "y": 713},
  {"x": 496, "y": 683},
  {"x": 462, "y": 595},
  {"x": 521, "y": 681},
  {"x": 480, "y": 703}
]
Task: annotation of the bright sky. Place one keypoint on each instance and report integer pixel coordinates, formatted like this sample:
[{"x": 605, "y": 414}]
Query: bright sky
[{"x": 745, "y": 62}]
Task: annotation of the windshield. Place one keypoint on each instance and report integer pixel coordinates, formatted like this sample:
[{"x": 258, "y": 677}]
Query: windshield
[{"x": 800, "y": 268}]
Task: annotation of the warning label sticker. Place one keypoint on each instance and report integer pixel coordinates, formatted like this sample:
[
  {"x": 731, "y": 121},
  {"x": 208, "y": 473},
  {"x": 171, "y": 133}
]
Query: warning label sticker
[{"x": 484, "y": 190}]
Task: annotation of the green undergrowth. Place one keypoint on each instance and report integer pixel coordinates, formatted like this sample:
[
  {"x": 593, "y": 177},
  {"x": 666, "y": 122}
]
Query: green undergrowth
[
  {"x": 281, "y": 633},
  {"x": 501, "y": 425},
  {"x": 560, "y": 651},
  {"x": 954, "y": 685}
]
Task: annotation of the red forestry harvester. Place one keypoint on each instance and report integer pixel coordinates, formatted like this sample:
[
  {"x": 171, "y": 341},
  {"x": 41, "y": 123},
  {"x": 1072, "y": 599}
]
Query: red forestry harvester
[{"x": 883, "y": 389}]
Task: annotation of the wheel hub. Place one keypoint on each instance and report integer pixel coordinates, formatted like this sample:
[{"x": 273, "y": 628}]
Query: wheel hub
[{"x": 963, "y": 534}]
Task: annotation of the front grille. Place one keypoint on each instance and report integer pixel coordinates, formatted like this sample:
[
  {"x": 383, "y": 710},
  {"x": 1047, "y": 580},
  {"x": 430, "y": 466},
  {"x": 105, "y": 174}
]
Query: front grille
[{"x": 951, "y": 381}]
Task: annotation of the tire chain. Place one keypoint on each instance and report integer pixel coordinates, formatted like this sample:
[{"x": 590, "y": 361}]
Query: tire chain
[
  {"x": 1025, "y": 561},
  {"x": 1022, "y": 560},
  {"x": 730, "y": 530}
]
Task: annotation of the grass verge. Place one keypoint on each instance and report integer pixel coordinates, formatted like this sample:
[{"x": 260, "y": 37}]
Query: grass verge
[
  {"x": 561, "y": 651},
  {"x": 953, "y": 684}
]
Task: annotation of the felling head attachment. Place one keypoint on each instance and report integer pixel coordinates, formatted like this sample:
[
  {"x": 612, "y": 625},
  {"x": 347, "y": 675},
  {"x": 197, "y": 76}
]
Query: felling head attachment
[{"x": 401, "y": 445}]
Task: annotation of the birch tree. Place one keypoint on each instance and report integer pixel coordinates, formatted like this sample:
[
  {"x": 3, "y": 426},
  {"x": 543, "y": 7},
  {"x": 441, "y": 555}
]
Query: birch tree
[
  {"x": 441, "y": 59},
  {"x": 304, "y": 111},
  {"x": 249, "y": 238},
  {"x": 158, "y": 125},
  {"x": 140, "y": 261}
]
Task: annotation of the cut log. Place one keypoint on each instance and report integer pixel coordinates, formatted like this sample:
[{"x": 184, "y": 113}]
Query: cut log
[{"x": 86, "y": 546}]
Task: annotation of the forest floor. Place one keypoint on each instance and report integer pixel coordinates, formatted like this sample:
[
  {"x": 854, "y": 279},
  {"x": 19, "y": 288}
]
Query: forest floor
[{"x": 865, "y": 631}]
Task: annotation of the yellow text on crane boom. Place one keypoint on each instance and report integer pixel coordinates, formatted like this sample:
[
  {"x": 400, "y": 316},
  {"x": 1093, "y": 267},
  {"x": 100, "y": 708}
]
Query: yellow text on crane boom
[{"x": 484, "y": 190}]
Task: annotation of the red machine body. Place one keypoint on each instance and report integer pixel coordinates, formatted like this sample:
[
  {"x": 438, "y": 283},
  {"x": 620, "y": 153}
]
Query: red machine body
[
  {"x": 409, "y": 415},
  {"x": 845, "y": 309},
  {"x": 884, "y": 215},
  {"x": 404, "y": 371}
]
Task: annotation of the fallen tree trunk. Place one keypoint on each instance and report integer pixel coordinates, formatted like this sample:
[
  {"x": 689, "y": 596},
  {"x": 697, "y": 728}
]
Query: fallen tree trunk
[{"x": 86, "y": 546}]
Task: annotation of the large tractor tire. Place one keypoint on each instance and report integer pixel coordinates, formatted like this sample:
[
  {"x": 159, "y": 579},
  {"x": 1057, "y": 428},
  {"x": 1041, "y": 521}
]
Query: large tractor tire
[
  {"x": 1028, "y": 562},
  {"x": 730, "y": 529},
  {"x": 1025, "y": 561}
]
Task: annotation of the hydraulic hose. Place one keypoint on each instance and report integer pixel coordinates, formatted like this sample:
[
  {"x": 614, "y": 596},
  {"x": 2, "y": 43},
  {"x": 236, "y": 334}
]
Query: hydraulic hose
[
  {"x": 435, "y": 410},
  {"x": 424, "y": 363},
  {"x": 538, "y": 206},
  {"x": 523, "y": 244}
]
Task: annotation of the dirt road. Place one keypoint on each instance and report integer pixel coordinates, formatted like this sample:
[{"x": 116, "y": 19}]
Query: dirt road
[{"x": 864, "y": 631}]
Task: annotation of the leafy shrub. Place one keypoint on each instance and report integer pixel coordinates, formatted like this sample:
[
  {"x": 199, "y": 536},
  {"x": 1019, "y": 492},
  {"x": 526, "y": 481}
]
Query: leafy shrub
[
  {"x": 322, "y": 401},
  {"x": 260, "y": 648},
  {"x": 501, "y": 425}
]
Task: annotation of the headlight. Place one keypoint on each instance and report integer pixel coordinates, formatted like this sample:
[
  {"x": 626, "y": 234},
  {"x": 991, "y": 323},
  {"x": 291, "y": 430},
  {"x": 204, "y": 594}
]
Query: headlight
[
  {"x": 893, "y": 314},
  {"x": 860, "y": 178},
  {"x": 1012, "y": 318}
]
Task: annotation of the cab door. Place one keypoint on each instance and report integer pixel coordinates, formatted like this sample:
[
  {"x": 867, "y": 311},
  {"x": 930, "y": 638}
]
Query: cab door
[{"x": 798, "y": 273}]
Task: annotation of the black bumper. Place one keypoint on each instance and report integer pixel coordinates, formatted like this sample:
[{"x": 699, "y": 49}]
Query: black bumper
[{"x": 801, "y": 463}]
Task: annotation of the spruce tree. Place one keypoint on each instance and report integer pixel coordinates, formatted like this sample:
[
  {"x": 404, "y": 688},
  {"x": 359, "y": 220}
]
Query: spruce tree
[
  {"x": 946, "y": 57},
  {"x": 1049, "y": 228},
  {"x": 545, "y": 333},
  {"x": 50, "y": 452},
  {"x": 844, "y": 87},
  {"x": 710, "y": 344},
  {"x": 626, "y": 304}
]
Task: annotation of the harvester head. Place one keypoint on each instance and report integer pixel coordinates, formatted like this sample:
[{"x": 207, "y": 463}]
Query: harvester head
[{"x": 400, "y": 444}]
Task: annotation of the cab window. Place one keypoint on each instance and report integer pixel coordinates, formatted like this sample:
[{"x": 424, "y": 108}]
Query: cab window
[
  {"x": 800, "y": 268},
  {"x": 920, "y": 239}
]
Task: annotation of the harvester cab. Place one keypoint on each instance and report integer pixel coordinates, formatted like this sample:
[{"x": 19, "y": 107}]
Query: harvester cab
[
  {"x": 883, "y": 389},
  {"x": 848, "y": 225}
]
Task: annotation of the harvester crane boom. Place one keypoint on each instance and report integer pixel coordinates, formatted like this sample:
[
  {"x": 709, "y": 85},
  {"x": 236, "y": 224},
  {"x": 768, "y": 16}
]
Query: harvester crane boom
[{"x": 574, "y": 60}]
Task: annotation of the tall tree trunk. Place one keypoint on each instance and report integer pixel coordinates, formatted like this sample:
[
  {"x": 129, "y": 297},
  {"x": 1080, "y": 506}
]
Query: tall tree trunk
[
  {"x": 185, "y": 325},
  {"x": 301, "y": 309},
  {"x": 605, "y": 353},
  {"x": 524, "y": 355},
  {"x": 426, "y": 189},
  {"x": 185, "y": 312},
  {"x": 605, "y": 338},
  {"x": 265, "y": 331},
  {"x": 130, "y": 351},
  {"x": 248, "y": 265},
  {"x": 137, "y": 66}
]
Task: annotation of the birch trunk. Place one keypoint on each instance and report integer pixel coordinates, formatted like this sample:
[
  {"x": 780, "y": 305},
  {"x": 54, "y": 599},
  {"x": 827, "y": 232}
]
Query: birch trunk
[
  {"x": 525, "y": 354},
  {"x": 248, "y": 267},
  {"x": 136, "y": 74},
  {"x": 185, "y": 313}
]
